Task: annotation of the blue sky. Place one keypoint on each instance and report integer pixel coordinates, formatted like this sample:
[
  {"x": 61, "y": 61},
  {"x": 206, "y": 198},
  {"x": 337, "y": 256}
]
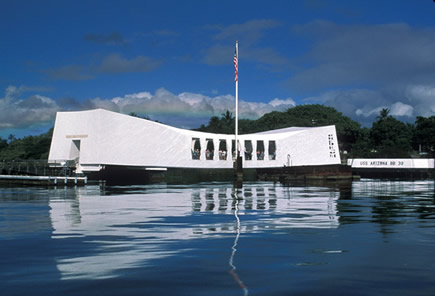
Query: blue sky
[{"x": 172, "y": 60}]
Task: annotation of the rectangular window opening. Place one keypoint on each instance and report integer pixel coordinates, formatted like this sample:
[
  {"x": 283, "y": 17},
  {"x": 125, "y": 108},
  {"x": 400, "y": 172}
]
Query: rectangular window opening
[
  {"x": 272, "y": 150},
  {"x": 196, "y": 148},
  {"x": 223, "y": 149},
  {"x": 209, "y": 151},
  {"x": 260, "y": 150},
  {"x": 248, "y": 150}
]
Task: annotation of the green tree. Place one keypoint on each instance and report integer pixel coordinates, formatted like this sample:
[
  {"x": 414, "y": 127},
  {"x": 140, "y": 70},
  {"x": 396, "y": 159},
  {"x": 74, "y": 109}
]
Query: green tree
[
  {"x": 11, "y": 138},
  {"x": 390, "y": 137},
  {"x": 134, "y": 114},
  {"x": 227, "y": 122},
  {"x": 224, "y": 125},
  {"x": 3, "y": 143},
  {"x": 348, "y": 130},
  {"x": 424, "y": 134},
  {"x": 383, "y": 114},
  {"x": 227, "y": 116},
  {"x": 30, "y": 147},
  {"x": 362, "y": 147}
]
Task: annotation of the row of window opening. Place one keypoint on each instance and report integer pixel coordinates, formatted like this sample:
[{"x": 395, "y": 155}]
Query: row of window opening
[{"x": 223, "y": 151}]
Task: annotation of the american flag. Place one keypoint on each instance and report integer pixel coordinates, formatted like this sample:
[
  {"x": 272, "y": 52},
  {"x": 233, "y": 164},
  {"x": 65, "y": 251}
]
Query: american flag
[{"x": 235, "y": 61}]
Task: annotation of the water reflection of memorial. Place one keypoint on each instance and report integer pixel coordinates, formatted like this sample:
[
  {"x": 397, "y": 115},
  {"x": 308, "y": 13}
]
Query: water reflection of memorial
[
  {"x": 115, "y": 232},
  {"x": 269, "y": 207}
]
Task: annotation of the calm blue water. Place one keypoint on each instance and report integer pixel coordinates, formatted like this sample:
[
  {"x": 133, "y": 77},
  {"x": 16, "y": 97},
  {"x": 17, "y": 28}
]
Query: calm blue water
[{"x": 367, "y": 237}]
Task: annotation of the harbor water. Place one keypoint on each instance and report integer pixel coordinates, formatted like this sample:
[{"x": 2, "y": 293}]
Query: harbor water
[{"x": 366, "y": 237}]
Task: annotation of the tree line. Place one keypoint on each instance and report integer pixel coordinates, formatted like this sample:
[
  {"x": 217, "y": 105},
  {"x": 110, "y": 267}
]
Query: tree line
[
  {"x": 27, "y": 148},
  {"x": 387, "y": 137}
]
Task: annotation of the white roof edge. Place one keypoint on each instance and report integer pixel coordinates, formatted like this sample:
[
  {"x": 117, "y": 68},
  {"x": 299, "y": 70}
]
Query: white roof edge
[
  {"x": 293, "y": 128},
  {"x": 193, "y": 132}
]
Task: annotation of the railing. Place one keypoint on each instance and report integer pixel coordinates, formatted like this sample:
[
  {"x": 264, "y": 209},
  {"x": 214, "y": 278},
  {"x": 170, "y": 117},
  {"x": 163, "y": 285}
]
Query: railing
[{"x": 38, "y": 168}]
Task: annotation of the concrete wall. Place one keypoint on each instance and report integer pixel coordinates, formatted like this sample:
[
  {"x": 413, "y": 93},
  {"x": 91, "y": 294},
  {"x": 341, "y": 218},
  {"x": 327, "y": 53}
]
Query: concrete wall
[
  {"x": 392, "y": 163},
  {"x": 101, "y": 137}
]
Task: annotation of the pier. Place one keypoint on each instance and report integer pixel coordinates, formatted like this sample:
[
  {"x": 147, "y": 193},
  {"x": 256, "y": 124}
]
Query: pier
[
  {"x": 39, "y": 173},
  {"x": 43, "y": 180}
]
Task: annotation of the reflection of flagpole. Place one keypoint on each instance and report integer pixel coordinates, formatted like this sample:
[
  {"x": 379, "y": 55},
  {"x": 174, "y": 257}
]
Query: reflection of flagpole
[
  {"x": 234, "y": 248},
  {"x": 238, "y": 234}
]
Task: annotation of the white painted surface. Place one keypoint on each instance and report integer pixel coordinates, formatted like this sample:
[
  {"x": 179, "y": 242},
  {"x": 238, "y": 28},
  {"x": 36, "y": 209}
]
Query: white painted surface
[
  {"x": 392, "y": 163},
  {"x": 109, "y": 138}
]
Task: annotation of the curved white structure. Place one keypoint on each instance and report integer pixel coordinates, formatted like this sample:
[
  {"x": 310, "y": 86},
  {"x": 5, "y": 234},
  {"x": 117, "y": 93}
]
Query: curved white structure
[{"x": 97, "y": 138}]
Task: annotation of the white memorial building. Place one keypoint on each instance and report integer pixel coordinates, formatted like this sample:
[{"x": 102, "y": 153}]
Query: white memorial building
[{"x": 94, "y": 139}]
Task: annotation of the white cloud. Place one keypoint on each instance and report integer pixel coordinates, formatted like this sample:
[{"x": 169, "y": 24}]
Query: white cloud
[
  {"x": 397, "y": 109},
  {"x": 363, "y": 105},
  {"x": 187, "y": 110},
  {"x": 400, "y": 109},
  {"x": 365, "y": 112},
  {"x": 136, "y": 98},
  {"x": 190, "y": 110},
  {"x": 187, "y": 105},
  {"x": 359, "y": 104},
  {"x": 287, "y": 102},
  {"x": 423, "y": 99},
  {"x": 16, "y": 112},
  {"x": 101, "y": 103}
]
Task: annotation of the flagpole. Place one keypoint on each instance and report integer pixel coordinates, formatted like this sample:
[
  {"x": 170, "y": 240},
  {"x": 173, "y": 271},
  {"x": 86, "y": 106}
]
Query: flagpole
[
  {"x": 238, "y": 164},
  {"x": 236, "y": 132}
]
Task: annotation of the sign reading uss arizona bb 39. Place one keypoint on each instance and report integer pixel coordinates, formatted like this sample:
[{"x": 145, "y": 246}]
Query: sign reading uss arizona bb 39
[{"x": 392, "y": 163}]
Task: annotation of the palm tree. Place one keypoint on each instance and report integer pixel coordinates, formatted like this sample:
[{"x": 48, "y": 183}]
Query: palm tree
[
  {"x": 383, "y": 114},
  {"x": 227, "y": 120},
  {"x": 227, "y": 116}
]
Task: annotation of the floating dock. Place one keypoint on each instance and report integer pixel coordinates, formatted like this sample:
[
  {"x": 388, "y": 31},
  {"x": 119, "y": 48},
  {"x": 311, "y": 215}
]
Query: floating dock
[{"x": 43, "y": 180}]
